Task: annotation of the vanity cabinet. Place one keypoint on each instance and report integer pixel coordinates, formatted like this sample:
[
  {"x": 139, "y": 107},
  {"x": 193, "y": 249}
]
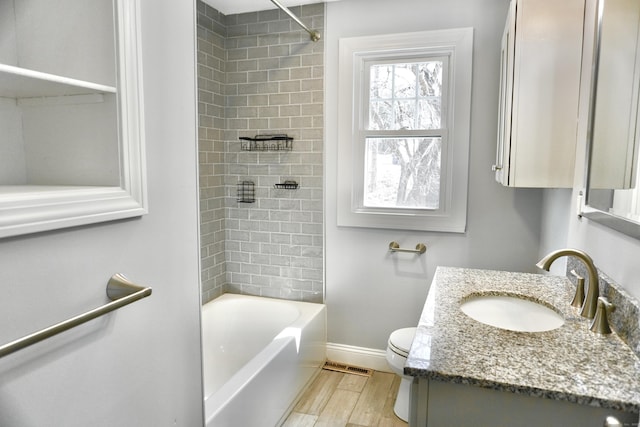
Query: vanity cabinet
[
  {"x": 449, "y": 404},
  {"x": 469, "y": 373},
  {"x": 71, "y": 146},
  {"x": 540, "y": 62}
]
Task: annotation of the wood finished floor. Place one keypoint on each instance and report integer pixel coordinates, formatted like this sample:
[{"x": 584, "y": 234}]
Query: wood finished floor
[{"x": 337, "y": 399}]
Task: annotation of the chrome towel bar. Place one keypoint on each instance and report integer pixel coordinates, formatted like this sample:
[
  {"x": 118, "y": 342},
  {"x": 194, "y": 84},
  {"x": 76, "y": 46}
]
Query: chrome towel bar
[
  {"x": 420, "y": 248},
  {"x": 119, "y": 290}
]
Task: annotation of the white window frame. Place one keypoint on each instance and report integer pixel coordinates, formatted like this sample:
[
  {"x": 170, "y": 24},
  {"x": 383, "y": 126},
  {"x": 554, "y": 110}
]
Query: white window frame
[{"x": 353, "y": 99}]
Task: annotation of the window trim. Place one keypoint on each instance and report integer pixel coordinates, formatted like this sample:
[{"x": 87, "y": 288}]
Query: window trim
[{"x": 354, "y": 53}]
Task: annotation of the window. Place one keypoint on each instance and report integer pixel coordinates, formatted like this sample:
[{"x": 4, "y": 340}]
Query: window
[
  {"x": 402, "y": 160},
  {"x": 403, "y": 135}
]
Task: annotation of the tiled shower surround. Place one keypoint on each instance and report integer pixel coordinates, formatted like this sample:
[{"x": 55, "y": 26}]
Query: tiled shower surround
[{"x": 259, "y": 73}]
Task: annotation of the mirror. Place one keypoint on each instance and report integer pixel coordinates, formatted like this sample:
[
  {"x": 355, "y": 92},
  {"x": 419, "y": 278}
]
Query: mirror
[{"x": 612, "y": 179}]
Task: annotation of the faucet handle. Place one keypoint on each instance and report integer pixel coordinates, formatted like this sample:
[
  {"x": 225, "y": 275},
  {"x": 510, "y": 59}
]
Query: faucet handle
[
  {"x": 578, "y": 298},
  {"x": 600, "y": 324}
]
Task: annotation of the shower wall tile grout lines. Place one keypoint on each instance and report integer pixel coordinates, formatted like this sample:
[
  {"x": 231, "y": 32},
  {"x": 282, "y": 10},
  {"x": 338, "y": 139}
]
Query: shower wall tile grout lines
[{"x": 267, "y": 77}]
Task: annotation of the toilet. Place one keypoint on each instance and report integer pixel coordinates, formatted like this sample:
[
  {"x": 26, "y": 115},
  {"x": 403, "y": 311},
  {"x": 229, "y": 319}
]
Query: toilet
[{"x": 397, "y": 351}]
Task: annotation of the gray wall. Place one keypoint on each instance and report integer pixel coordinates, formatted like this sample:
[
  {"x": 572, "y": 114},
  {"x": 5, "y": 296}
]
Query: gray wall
[
  {"x": 141, "y": 365},
  {"x": 554, "y": 232},
  {"x": 370, "y": 292},
  {"x": 273, "y": 83}
]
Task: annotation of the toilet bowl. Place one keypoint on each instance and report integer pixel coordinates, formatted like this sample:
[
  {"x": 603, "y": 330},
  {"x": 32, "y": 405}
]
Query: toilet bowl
[{"x": 397, "y": 351}]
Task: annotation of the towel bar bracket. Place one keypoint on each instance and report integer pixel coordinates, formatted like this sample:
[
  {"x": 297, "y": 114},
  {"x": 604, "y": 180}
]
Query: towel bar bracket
[{"x": 420, "y": 248}]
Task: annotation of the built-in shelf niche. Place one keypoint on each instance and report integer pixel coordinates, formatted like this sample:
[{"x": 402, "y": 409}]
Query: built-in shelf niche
[{"x": 72, "y": 149}]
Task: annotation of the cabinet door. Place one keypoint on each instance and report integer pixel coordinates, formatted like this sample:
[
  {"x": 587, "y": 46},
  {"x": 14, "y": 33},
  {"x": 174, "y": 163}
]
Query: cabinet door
[
  {"x": 501, "y": 167},
  {"x": 436, "y": 403},
  {"x": 539, "y": 142}
]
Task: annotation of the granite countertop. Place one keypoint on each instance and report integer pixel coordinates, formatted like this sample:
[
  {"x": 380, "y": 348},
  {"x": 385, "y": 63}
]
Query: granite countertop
[{"x": 569, "y": 363}]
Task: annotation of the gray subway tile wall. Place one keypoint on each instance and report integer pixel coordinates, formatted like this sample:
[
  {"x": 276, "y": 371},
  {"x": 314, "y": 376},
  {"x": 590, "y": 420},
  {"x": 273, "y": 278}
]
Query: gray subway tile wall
[
  {"x": 212, "y": 168},
  {"x": 267, "y": 78}
]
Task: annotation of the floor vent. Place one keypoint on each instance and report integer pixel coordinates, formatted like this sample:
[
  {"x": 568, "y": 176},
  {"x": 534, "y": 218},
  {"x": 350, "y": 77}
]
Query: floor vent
[{"x": 341, "y": 367}]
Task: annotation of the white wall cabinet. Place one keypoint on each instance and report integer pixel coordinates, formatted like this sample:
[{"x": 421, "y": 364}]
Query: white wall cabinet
[
  {"x": 539, "y": 85},
  {"x": 71, "y": 140}
]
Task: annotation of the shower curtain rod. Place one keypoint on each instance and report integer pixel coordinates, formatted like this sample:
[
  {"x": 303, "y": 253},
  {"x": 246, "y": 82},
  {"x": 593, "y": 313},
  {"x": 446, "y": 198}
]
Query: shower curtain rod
[{"x": 315, "y": 36}]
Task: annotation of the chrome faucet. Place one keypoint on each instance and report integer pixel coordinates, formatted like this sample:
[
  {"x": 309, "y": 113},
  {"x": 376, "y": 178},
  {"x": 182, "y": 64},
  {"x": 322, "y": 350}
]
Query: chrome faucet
[{"x": 591, "y": 300}]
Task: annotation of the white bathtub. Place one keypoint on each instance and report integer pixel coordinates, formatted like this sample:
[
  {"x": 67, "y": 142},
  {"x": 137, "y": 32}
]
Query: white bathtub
[{"x": 258, "y": 354}]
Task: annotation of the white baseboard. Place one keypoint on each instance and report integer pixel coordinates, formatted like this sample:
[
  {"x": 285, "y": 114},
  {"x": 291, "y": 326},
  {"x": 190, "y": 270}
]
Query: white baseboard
[{"x": 358, "y": 356}]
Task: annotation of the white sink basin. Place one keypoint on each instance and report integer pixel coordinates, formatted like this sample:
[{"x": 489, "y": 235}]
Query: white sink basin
[{"x": 512, "y": 313}]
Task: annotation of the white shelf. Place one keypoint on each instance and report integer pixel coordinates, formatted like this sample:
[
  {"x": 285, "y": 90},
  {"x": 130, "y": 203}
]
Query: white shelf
[
  {"x": 16, "y": 82},
  {"x": 33, "y": 191},
  {"x": 29, "y": 209}
]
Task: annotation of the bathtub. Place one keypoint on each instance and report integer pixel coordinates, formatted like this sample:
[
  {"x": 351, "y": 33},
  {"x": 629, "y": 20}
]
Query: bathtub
[{"x": 258, "y": 355}]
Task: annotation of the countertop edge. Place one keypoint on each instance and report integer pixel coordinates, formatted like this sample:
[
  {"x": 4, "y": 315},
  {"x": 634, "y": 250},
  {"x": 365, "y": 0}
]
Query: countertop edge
[{"x": 525, "y": 390}]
